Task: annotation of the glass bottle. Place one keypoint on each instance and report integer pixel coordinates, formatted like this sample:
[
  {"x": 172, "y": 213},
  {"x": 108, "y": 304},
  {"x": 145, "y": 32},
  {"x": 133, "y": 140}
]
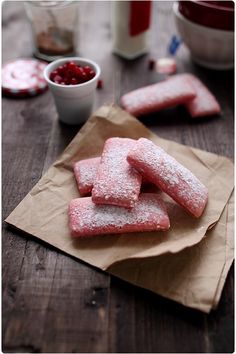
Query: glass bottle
[{"x": 130, "y": 27}]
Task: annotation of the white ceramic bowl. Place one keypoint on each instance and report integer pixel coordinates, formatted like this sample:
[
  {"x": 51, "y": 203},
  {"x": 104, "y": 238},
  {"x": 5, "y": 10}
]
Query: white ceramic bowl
[
  {"x": 74, "y": 103},
  {"x": 209, "y": 47}
]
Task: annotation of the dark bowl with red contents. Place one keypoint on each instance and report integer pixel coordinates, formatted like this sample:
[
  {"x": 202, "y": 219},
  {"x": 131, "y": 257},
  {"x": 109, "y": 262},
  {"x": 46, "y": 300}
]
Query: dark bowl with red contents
[
  {"x": 213, "y": 14},
  {"x": 71, "y": 73}
]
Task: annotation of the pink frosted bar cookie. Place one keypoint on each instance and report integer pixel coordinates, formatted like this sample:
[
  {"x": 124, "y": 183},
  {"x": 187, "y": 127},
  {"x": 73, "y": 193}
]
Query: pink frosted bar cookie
[
  {"x": 88, "y": 219},
  {"x": 169, "y": 175},
  {"x": 85, "y": 173},
  {"x": 204, "y": 104},
  {"x": 155, "y": 97},
  {"x": 116, "y": 182}
]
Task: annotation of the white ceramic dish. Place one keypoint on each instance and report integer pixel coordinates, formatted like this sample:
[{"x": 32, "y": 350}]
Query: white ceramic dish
[
  {"x": 74, "y": 103},
  {"x": 209, "y": 47}
]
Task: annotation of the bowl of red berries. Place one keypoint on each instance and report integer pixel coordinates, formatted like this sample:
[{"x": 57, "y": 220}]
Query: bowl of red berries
[{"x": 73, "y": 83}]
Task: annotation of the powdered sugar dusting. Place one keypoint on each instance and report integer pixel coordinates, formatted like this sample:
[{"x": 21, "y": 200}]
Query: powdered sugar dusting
[
  {"x": 85, "y": 173},
  {"x": 204, "y": 103},
  {"x": 169, "y": 175},
  {"x": 116, "y": 182},
  {"x": 87, "y": 218},
  {"x": 158, "y": 96}
]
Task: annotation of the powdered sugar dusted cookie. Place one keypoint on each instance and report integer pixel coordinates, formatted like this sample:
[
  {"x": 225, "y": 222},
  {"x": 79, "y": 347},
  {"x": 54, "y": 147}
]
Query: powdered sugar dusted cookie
[
  {"x": 155, "y": 97},
  {"x": 169, "y": 175},
  {"x": 205, "y": 103},
  {"x": 116, "y": 182},
  {"x": 85, "y": 173},
  {"x": 88, "y": 219}
]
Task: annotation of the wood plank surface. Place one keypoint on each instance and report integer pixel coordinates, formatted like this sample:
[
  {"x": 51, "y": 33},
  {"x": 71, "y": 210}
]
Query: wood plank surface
[{"x": 52, "y": 302}]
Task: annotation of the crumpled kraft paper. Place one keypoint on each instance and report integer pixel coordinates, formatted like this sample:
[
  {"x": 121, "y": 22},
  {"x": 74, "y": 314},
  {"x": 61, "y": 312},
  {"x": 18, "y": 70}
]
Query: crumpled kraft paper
[
  {"x": 193, "y": 277},
  {"x": 43, "y": 212},
  {"x": 229, "y": 250}
]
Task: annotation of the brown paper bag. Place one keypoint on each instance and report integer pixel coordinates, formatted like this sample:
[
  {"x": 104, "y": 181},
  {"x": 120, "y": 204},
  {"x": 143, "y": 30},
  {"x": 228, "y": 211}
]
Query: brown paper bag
[
  {"x": 229, "y": 251},
  {"x": 43, "y": 212},
  {"x": 193, "y": 277}
]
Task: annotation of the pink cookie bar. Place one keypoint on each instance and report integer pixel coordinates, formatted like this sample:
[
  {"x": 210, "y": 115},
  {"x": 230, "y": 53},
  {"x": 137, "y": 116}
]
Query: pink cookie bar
[
  {"x": 116, "y": 182},
  {"x": 169, "y": 175},
  {"x": 205, "y": 103},
  {"x": 88, "y": 219},
  {"x": 85, "y": 173},
  {"x": 155, "y": 97}
]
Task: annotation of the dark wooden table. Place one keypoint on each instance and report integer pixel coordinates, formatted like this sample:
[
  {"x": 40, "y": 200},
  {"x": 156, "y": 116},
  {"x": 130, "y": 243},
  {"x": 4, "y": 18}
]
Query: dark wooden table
[{"x": 48, "y": 297}]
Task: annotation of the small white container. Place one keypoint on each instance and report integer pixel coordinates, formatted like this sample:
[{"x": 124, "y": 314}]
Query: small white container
[
  {"x": 209, "y": 47},
  {"x": 74, "y": 103}
]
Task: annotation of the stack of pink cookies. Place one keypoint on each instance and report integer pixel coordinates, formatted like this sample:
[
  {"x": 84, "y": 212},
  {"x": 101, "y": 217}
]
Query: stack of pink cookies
[{"x": 114, "y": 181}]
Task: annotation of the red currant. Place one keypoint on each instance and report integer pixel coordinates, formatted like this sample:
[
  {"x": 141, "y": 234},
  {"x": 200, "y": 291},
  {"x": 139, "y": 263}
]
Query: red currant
[
  {"x": 67, "y": 80},
  {"x": 57, "y": 79},
  {"x": 71, "y": 65},
  {"x": 74, "y": 81},
  {"x": 78, "y": 72},
  {"x": 53, "y": 74},
  {"x": 72, "y": 74},
  {"x": 87, "y": 68},
  {"x": 151, "y": 64},
  {"x": 91, "y": 74},
  {"x": 84, "y": 77},
  {"x": 100, "y": 84},
  {"x": 60, "y": 70}
]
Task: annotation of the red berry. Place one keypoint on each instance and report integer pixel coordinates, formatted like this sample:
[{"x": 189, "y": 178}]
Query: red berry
[
  {"x": 91, "y": 74},
  {"x": 57, "y": 79},
  {"x": 61, "y": 70},
  {"x": 100, "y": 84},
  {"x": 78, "y": 72},
  {"x": 67, "y": 80},
  {"x": 74, "y": 81},
  {"x": 83, "y": 77},
  {"x": 151, "y": 64},
  {"x": 72, "y": 74},
  {"x": 53, "y": 74},
  {"x": 71, "y": 69},
  {"x": 71, "y": 65},
  {"x": 87, "y": 68}
]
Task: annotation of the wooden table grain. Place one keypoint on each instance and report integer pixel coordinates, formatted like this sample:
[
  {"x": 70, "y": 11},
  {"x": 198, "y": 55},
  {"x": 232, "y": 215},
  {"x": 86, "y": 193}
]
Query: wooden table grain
[{"x": 52, "y": 302}]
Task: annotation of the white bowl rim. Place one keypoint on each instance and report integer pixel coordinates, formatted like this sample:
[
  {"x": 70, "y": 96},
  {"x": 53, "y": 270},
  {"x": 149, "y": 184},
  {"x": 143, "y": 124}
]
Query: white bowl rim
[
  {"x": 58, "y": 62},
  {"x": 200, "y": 27}
]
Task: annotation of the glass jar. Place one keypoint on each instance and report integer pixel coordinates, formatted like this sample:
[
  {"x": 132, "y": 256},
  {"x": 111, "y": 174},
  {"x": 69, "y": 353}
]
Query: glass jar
[{"x": 54, "y": 28}]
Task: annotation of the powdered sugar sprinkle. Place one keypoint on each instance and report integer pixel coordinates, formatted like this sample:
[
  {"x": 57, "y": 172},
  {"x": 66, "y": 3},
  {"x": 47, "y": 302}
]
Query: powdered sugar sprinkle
[
  {"x": 116, "y": 182},
  {"x": 169, "y": 175},
  {"x": 87, "y": 218},
  {"x": 85, "y": 173}
]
